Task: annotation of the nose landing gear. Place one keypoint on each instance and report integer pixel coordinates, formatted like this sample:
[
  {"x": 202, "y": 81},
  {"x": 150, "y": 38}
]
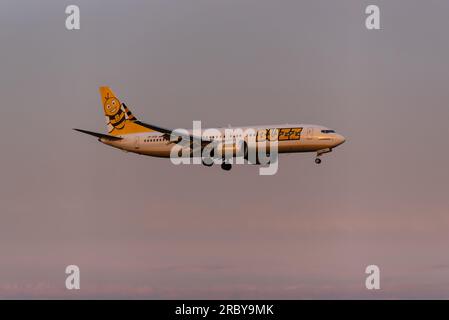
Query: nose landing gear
[{"x": 319, "y": 153}]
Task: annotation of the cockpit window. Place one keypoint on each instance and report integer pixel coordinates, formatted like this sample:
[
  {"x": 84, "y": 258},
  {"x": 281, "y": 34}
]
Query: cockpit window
[{"x": 328, "y": 131}]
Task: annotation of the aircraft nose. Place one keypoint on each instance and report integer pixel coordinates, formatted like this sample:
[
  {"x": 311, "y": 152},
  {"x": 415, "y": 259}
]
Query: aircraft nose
[{"x": 339, "y": 139}]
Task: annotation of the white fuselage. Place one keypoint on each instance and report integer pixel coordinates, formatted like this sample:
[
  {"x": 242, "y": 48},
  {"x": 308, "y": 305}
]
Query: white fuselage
[{"x": 291, "y": 138}]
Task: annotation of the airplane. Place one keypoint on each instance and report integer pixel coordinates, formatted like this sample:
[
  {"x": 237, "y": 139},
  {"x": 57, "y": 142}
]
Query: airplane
[{"x": 127, "y": 133}]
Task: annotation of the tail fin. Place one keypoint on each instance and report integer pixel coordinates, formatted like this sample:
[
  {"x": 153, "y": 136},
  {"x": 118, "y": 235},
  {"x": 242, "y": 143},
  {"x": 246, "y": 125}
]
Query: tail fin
[{"x": 119, "y": 118}]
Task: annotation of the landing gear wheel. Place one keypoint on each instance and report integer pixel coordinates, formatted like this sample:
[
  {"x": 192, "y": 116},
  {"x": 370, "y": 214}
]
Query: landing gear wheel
[
  {"x": 317, "y": 160},
  {"x": 226, "y": 166},
  {"x": 208, "y": 162}
]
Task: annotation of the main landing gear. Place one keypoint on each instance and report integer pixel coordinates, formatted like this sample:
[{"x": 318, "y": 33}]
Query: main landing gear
[
  {"x": 226, "y": 166},
  {"x": 319, "y": 153},
  {"x": 208, "y": 162}
]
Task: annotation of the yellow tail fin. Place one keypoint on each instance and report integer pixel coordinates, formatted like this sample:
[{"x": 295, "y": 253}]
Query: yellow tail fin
[{"x": 119, "y": 118}]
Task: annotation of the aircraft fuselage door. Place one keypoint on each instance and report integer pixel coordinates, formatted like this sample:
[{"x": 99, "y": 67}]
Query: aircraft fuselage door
[
  {"x": 309, "y": 133},
  {"x": 137, "y": 143}
]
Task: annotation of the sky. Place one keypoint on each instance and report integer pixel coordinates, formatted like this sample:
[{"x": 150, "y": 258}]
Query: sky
[{"x": 143, "y": 228}]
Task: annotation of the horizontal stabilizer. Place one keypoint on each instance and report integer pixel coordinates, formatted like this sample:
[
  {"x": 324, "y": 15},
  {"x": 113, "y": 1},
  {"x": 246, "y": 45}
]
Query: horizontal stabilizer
[{"x": 99, "y": 135}]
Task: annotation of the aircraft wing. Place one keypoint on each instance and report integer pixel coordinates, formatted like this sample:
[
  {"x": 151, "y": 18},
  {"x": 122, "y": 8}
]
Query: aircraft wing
[{"x": 168, "y": 132}]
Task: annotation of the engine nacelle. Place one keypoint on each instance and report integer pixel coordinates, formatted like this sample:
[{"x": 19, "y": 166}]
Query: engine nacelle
[{"x": 257, "y": 150}]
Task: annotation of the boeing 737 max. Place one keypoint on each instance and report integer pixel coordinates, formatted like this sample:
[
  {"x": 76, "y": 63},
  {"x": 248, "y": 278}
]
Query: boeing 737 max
[{"x": 127, "y": 133}]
